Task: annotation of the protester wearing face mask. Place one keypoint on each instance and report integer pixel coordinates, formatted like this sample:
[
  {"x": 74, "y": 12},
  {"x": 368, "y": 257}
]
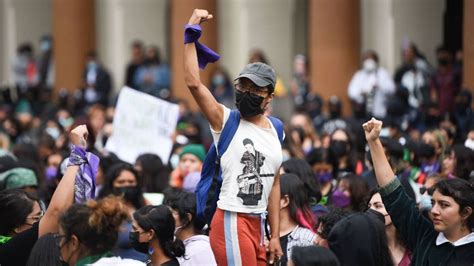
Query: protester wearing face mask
[
  {"x": 350, "y": 193},
  {"x": 189, "y": 229},
  {"x": 121, "y": 180},
  {"x": 342, "y": 153},
  {"x": 323, "y": 172},
  {"x": 221, "y": 87},
  {"x": 401, "y": 256},
  {"x": 310, "y": 138},
  {"x": 153, "y": 76},
  {"x": 153, "y": 233},
  {"x": 26, "y": 220},
  {"x": 97, "y": 81},
  {"x": 89, "y": 231},
  {"x": 371, "y": 86},
  {"x": 255, "y": 135},
  {"x": 52, "y": 175}
]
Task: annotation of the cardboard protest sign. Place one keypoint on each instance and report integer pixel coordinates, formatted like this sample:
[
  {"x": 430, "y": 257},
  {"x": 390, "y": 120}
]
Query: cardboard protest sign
[{"x": 142, "y": 124}]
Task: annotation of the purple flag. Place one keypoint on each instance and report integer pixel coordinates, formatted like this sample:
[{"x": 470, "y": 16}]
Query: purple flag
[{"x": 205, "y": 55}]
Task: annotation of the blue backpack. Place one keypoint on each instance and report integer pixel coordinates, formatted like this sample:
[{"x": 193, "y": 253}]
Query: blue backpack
[{"x": 208, "y": 188}]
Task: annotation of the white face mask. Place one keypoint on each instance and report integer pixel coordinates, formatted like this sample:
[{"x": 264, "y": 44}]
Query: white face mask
[
  {"x": 469, "y": 143},
  {"x": 425, "y": 202},
  {"x": 369, "y": 65},
  {"x": 53, "y": 132}
]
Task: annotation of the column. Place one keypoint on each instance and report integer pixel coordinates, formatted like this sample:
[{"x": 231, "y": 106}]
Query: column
[
  {"x": 181, "y": 11},
  {"x": 16, "y": 29},
  {"x": 334, "y": 46},
  {"x": 120, "y": 22},
  {"x": 74, "y": 37},
  {"x": 468, "y": 47}
]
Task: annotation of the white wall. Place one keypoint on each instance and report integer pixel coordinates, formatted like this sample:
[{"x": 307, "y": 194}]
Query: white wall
[
  {"x": 386, "y": 23},
  {"x": 21, "y": 21},
  {"x": 119, "y": 22}
]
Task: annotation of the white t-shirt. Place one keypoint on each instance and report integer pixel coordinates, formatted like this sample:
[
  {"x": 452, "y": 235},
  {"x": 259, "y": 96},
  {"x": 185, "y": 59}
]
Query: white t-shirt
[{"x": 248, "y": 167}]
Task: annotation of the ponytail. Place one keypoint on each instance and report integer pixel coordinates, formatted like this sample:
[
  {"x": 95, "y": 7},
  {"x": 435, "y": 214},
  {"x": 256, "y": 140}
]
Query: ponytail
[{"x": 174, "y": 249}]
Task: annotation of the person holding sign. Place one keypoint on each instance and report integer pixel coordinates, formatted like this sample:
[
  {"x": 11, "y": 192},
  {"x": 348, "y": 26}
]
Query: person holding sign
[{"x": 250, "y": 166}]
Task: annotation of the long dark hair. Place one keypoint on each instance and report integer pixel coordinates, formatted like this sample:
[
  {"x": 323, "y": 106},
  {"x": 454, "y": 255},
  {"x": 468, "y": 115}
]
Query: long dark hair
[
  {"x": 160, "y": 219},
  {"x": 184, "y": 203},
  {"x": 462, "y": 192},
  {"x": 45, "y": 252},
  {"x": 313, "y": 255},
  {"x": 464, "y": 161},
  {"x": 360, "y": 239},
  {"x": 351, "y": 154},
  {"x": 358, "y": 189},
  {"x": 304, "y": 172},
  {"x": 113, "y": 173},
  {"x": 15, "y": 206},
  {"x": 300, "y": 212},
  {"x": 154, "y": 174}
]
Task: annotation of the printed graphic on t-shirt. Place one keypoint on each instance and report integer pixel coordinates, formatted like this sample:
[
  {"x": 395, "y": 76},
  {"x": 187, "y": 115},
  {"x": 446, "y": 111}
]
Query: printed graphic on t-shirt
[{"x": 250, "y": 181}]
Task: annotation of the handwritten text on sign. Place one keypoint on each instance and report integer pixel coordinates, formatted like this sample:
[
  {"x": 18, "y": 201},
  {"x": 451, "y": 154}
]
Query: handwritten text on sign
[{"x": 142, "y": 124}]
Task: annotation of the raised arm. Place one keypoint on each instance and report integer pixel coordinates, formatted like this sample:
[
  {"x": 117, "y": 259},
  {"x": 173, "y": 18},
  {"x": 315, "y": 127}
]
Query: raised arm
[
  {"x": 410, "y": 224},
  {"x": 383, "y": 170},
  {"x": 63, "y": 196},
  {"x": 213, "y": 111}
]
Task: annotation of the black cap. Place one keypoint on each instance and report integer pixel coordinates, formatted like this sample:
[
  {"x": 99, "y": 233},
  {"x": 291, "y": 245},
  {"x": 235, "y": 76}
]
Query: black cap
[{"x": 259, "y": 73}]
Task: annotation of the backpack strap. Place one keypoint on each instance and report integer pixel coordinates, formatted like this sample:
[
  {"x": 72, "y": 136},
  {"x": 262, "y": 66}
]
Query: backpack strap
[
  {"x": 225, "y": 138},
  {"x": 228, "y": 132},
  {"x": 279, "y": 127}
]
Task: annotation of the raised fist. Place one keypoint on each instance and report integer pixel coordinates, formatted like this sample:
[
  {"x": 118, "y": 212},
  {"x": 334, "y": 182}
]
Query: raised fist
[
  {"x": 372, "y": 129},
  {"x": 199, "y": 16},
  {"x": 78, "y": 136}
]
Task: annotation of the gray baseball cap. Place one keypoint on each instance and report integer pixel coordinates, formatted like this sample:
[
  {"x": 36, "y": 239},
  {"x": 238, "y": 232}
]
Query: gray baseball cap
[{"x": 259, "y": 73}]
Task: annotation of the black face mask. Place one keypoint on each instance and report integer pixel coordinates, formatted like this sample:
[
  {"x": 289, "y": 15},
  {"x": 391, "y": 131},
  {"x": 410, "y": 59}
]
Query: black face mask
[
  {"x": 138, "y": 246},
  {"x": 248, "y": 104},
  {"x": 129, "y": 193},
  {"x": 338, "y": 148}
]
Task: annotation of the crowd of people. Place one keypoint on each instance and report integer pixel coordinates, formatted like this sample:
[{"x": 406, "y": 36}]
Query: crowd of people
[{"x": 392, "y": 184}]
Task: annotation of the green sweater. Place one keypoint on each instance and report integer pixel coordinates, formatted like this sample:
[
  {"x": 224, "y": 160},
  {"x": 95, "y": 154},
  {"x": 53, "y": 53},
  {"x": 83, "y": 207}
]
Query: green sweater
[{"x": 419, "y": 233}]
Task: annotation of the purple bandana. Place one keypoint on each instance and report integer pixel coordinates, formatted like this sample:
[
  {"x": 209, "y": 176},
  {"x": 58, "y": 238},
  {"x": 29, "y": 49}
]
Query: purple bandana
[
  {"x": 205, "y": 55},
  {"x": 85, "y": 178}
]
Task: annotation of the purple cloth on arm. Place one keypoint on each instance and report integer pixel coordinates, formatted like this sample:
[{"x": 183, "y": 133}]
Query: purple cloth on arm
[
  {"x": 205, "y": 55},
  {"x": 84, "y": 186}
]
